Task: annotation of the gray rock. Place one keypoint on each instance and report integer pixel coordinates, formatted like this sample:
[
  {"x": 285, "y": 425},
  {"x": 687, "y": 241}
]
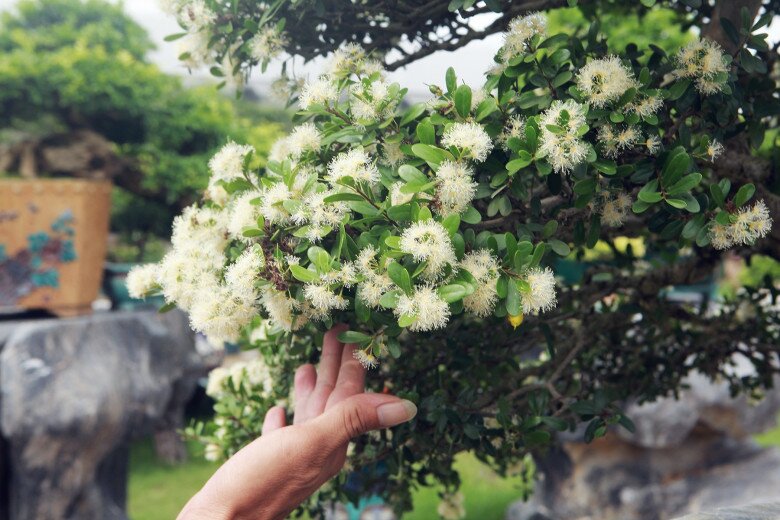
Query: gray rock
[
  {"x": 770, "y": 511},
  {"x": 686, "y": 456},
  {"x": 74, "y": 392}
]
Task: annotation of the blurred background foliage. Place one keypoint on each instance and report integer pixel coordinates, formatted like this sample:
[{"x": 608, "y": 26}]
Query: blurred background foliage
[{"x": 70, "y": 65}]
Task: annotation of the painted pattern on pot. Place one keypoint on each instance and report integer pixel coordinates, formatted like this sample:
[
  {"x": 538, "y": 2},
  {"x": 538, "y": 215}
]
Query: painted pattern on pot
[{"x": 38, "y": 264}]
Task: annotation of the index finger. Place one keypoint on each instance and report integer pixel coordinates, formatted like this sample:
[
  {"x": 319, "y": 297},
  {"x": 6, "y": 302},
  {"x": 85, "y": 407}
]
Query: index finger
[{"x": 351, "y": 380}]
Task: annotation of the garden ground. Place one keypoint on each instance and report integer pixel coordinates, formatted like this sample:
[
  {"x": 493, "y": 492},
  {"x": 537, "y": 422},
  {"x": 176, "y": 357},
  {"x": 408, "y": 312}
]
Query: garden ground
[{"x": 158, "y": 491}]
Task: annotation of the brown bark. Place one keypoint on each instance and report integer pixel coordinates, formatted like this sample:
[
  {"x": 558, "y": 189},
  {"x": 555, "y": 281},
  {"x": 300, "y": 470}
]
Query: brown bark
[{"x": 730, "y": 10}]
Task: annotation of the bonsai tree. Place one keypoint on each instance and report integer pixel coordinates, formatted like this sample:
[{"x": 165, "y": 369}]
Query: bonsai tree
[
  {"x": 74, "y": 74},
  {"x": 440, "y": 231}
]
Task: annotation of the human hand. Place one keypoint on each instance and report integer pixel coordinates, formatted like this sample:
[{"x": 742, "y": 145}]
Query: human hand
[{"x": 268, "y": 478}]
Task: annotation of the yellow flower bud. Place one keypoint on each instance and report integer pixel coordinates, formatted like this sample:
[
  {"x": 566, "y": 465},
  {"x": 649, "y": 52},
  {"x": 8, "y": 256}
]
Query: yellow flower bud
[{"x": 515, "y": 320}]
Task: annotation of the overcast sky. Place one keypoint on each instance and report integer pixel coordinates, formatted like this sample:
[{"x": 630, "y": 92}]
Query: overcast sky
[{"x": 470, "y": 61}]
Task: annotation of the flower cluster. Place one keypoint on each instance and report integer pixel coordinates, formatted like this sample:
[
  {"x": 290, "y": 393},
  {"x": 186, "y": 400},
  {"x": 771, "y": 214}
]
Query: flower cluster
[
  {"x": 519, "y": 34},
  {"x": 603, "y": 81},
  {"x": 704, "y": 62},
  {"x": 563, "y": 126},
  {"x": 747, "y": 226}
]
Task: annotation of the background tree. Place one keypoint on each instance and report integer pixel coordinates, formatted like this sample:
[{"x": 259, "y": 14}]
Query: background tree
[{"x": 74, "y": 76}]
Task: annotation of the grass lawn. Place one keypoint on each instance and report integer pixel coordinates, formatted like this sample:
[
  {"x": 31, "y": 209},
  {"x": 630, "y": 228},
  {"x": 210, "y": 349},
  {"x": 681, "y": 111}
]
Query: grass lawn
[{"x": 158, "y": 492}]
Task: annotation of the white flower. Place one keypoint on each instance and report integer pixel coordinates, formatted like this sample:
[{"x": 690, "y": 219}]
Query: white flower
[
  {"x": 720, "y": 236},
  {"x": 646, "y": 106},
  {"x": 611, "y": 215},
  {"x": 243, "y": 274},
  {"x": 212, "y": 452},
  {"x": 397, "y": 197},
  {"x": 366, "y": 358},
  {"x": 228, "y": 163},
  {"x": 201, "y": 234},
  {"x": 356, "y": 164},
  {"x": 519, "y": 34},
  {"x": 320, "y": 91},
  {"x": 220, "y": 313},
  {"x": 196, "y": 15},
  {"x": 541, "y": 295},
  {"x": 181, "y": 276},
  {"x": 372, "y": 288},
  {"x": 195, "y": 46},
  {"x": 430, "y": 311},
  {"x": 428, "y": 241},
  {"x": 323, "y": 299},
  {"x": 216, "y": 382},
  {"x": 271, "y": 206},
  {"x": 653, "y": 144},
  {"x": 564, "y": 150},
  {"x": 714, "y": 149},
  {"x": 483, "y": 266},
  {"x": 470, "y": 138},
  {"x": 455, "y": 189},
  {"x": 604, "y": 80},
  {"x": 243, "y": 215},
  {"x": 304, "y": 138},
  {"x": 704, "y": 61},
  {"x": 142, "y": 279},
  {"x": 451, "y": 507},
  {"x": 392, "y": 154},
  {"x": 369, "y": 103},
  {"x": 254, "y": 374},
  {"x": 267, "y": 44},
  {"x": 281, "y": 310},
  {"x": 347, "y": 60}
]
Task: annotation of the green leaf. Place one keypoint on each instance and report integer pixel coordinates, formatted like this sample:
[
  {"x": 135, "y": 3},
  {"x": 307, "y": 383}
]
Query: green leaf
[
  {"x": 471, "y": 216},
  {"x": 549, "y": 229},
  {"x": 639, "y": 206},
  {"x": 685, "y": 184},
  {"x": 463, "y": 100},
  {"x": 451, "y": 223},
  {"x": 319, "y": 257},
  {"x": 512, "y": 300},
  {"x": 303, "y": 274},
  {"x": 487, "y": 107},
  {"x": 406, "y": 320},
  {"x": 605, "y": 166},
  {"x": 452, "y": 293},
  {"x": 585, "y": 186},
  {"x": 560, "y": 248},
  {"x": 744, "y": 194},
  {"x": 389, "y": 300},
  {"x": 412, "y": 113},
  {"x": 400, "y": 276},
  {"x": 539, "y": 251},
  {"x": 425, "y": 132},
  {"x": 678, "y": 164},
  {"x": 676, "y": 203},
  {"x": 353, "y": 336},
  {"x": 431, "y": 154},
  {"x": 651, "y": 197},
  {"x": 516, "y": 164},
  {"x": 338, "y": 197},
  {"x": 451, "y": 80},
  {"x": 717, "y": 195},
  {"x": 411, "y": 174},
  {"x": 678, "y": 89}
]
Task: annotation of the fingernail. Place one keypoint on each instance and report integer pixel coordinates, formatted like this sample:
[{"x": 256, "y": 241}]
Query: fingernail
[{"x": 394, "y": 413}]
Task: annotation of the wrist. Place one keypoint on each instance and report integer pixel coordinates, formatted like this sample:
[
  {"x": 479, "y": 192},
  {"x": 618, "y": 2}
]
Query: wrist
[{"x": 201, "y": 508}]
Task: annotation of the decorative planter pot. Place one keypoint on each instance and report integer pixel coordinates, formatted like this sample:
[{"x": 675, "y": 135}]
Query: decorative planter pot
[{"x": 53, "y": 239}]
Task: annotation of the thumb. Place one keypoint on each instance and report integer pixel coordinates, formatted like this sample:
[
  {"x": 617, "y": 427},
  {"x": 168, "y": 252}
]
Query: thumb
[{"x": 362, "y": 413}]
